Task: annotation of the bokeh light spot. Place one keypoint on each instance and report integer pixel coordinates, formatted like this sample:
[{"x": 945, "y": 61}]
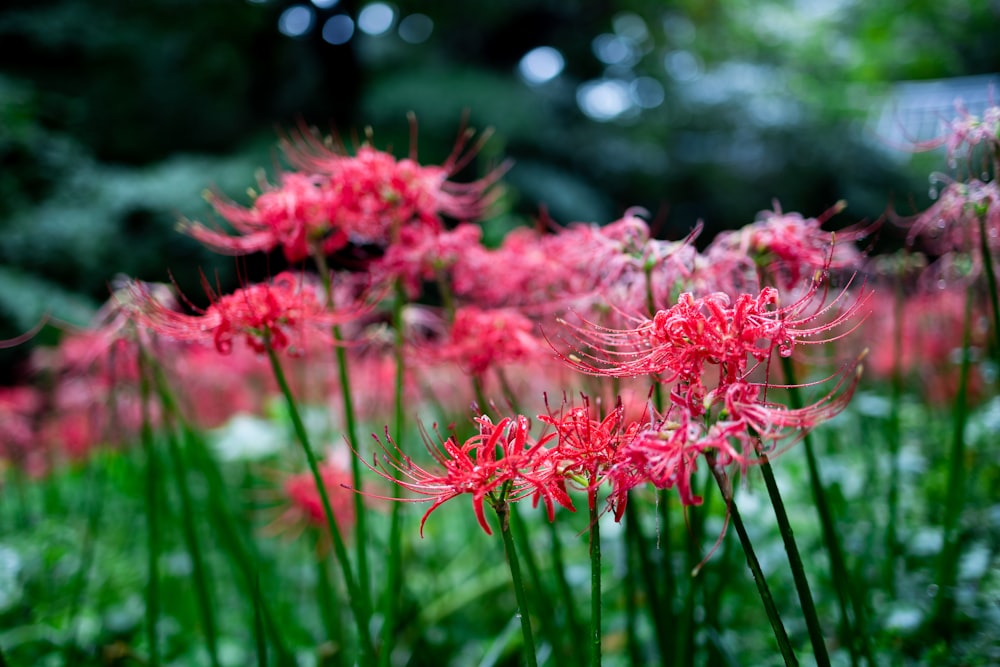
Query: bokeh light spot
[
  {"x": 541, "y": 64},
  {"x": 683, "y": 66},
  {"x": 296, "y": 21},
  {"x": 338, "y": 29},
  {"x": 646, "y": 92},
  {"x": 325, "y": 4},
  {"x": 376, "y": 18},
  {"x": 614, "y": 50},
  {"x": 604, "y": 100},
  {"x": 416, "y": 28}
]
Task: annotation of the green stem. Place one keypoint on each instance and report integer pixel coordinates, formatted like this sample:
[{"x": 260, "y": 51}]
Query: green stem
[
  {"x": 948, "y": 566},
  {"x": 569, "y": 602},
  {"x": 258, "y": 625},
  {"x": 87, "y": 547},
  {"x": 795, "y": 561},
  {"x": 831, "y": 537},
  {"x": 504, "y": 515},
  {"x": 225, "y": 525},
  {"x": 639, "y": 546},
  {"x": 631, "y": 611},
  {"x": 894, "y": 436},
  {"x": 773, "y": 617},
  {"x": 395, "y": 569},
  {"x": 198, "y": 569},
  {"x": 541, "y": 598},
  {"x": 595, "y": 579},
  {"x": 329, "y": 606},
  {"x": 991, "y": 283},
  {"x": 351, "y": 431},
  {"x": 355, "y": 595},
  {"x": 152, "y": 518}
]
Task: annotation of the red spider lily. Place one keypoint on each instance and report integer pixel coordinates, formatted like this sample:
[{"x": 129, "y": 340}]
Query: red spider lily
[
  {"x": 744, "y": 402},
  {"x": 666, "y": 455},
  {"x": 295, "y": 215},
  {"x": 483, "y": 339},
  {"x": 588, "y": 446},
  {"x": 424, "y": 254},
  {"x": 952, "y": 222},
  {"x": 264, "y": 314},
  {"x": 304, "y": 503},
  {"x": 377, "y": 193},
  {"x": 679, "y": 341},
  {"x": 337, "y": 198},
  {"x": 499, "y": 464},
  {"x": 968, "y": 131},
  {"x": 789, "y": 246}
]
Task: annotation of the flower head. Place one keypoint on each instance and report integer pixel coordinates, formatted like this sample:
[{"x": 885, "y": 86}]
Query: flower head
[
  {"x": 682, "y": 340},
  {"x": 266, "y": 315},
  {"x": 501, "y": 463},
  {"x": 483, "y": 339},
  {"x": 377, "y": 194}
]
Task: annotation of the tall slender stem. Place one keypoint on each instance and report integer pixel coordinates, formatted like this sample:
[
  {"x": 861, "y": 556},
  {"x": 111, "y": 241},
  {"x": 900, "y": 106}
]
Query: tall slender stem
[
  {"x": 773, "y": 617},
  {"x": 390, "y": 605},
  {"x": 831, "y": 536},
  {"x": 198, "y": 569},
  {"x": 569, "y": 602},
  {"x": 948, "y": 566},
  {"x": 152, "y": 518},
  {"x": 546, "y": 612},
  {"x": 798, "y": 570},
  {"x": 351, "y": 431},
  {"x": 595, "y": 578},
  {"x": 225, "y": 524},
  {"x": 356, "y": 599},
  {"x": 504, "y": 515}
]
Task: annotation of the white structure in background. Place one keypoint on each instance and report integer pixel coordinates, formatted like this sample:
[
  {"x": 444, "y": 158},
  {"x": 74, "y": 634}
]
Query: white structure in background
[{"x": 918, "y": 110}]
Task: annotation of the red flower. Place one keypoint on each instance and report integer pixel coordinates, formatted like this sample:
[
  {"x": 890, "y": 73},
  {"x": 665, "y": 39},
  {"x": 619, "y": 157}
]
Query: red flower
[
  {"x": 482, "y": 339},
  {"x": 294, "y": 215},
  {"x": 487, "y": 466},
  {"x": 376, "y": 194},
  {"x": 789, "y": 246},
  {"x": 264, "y": 314},
  {"x": 679, "y": 342}
]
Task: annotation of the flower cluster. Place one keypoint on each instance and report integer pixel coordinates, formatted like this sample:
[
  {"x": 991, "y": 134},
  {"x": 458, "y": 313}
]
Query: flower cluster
[
  {"x": 501, "y": 463},
  {"x": 336, "y": 198},
  {"x": 266, "y": 315}
]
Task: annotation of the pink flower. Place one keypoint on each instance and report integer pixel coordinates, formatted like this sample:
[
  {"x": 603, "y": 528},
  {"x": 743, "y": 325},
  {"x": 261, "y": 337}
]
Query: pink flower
[
  {"x": 789, "y": 246},
  {"x": 952, "y": 223},
  {"x": 377, "y": 194},
  {"x": 295, "y": 215},
  {"x": 267, "y": 315},
  {"x": 305, "y": 504},
  {"x": 483, "y": 339},
  {"x": 426, "y": 254}
]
